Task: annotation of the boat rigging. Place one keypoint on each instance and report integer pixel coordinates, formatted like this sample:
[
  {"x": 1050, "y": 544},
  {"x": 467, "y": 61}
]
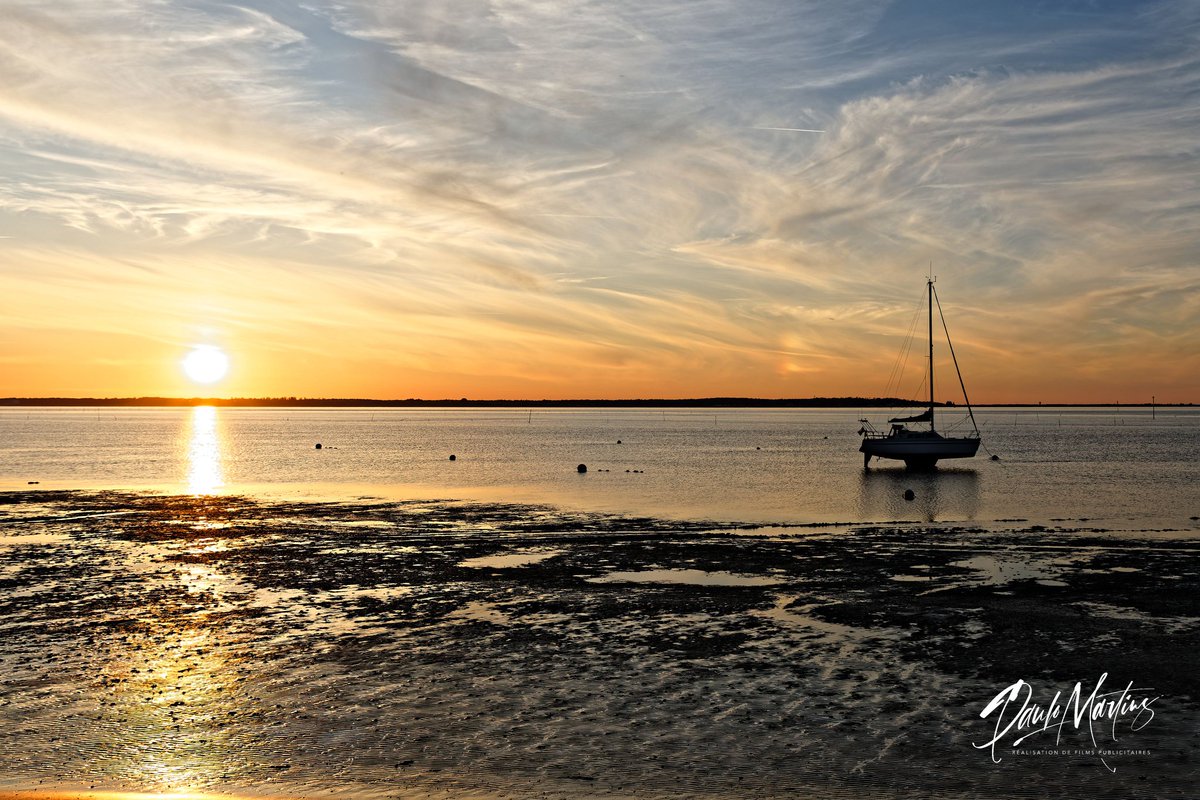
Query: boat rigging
[{"x": 921, "y": 449}]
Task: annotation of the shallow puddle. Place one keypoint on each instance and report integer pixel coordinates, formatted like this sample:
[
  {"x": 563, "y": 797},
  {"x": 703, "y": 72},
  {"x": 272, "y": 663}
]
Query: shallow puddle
[
  {"x": 521, "y": 558},
  {"x": 693, "y": 577},
  {"x": 997, "y": 571}
]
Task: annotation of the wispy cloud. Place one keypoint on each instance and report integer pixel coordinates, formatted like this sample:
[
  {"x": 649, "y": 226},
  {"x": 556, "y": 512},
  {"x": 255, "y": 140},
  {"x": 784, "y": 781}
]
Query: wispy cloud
[{"x": 654, "y": 198}]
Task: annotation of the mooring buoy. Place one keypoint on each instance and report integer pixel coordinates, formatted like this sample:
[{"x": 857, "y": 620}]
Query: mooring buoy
[
  {"x": 909, "y": 494},
  {"x": 581, "y": 468}
]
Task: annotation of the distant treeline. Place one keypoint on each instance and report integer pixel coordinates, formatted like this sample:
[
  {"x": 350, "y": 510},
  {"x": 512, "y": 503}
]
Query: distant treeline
[
  {"x": 344, "y": 402},
  {"x": 347, "y": 402}
]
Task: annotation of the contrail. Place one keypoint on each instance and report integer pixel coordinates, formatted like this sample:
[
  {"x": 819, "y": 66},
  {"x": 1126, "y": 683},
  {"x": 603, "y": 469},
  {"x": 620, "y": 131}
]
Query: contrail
[{"x": 794, "y": 130}]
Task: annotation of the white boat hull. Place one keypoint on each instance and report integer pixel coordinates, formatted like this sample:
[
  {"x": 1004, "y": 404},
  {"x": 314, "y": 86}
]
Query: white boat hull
[{"x": 918, "y": 450}]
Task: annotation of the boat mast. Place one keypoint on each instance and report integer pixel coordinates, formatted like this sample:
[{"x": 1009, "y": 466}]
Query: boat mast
[{"x": 930, "y": 280}]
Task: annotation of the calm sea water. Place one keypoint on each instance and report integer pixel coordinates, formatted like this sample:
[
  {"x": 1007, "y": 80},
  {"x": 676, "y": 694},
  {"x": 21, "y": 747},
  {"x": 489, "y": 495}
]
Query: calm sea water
[{"x": 1120, "y": 469}]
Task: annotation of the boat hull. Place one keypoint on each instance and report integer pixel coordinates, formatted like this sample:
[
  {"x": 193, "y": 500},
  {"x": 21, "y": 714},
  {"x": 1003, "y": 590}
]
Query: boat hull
[{"x": 918, "y": 451}]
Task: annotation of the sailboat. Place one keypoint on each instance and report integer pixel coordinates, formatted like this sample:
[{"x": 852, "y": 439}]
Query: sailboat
[{"x": 920, "y": 448}]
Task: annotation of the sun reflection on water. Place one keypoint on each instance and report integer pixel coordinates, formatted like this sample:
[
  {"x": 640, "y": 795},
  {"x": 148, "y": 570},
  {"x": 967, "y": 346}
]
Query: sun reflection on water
[
  {"x": 204, "y": 450},
  {"x": 171, "y": 692}
]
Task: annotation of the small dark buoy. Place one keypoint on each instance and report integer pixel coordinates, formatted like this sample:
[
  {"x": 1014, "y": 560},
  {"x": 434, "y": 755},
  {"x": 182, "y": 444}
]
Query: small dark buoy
[
  {"x": 581, "y": 468},
  {"x": 318, "y": 447},
  {"x": 758, "y": 448},
  {"x": 909, "y": 494},
  {"x": 453, "y": 457},
  {"x": 618, "y": 441},
  {"x": 995, "y": 458}
]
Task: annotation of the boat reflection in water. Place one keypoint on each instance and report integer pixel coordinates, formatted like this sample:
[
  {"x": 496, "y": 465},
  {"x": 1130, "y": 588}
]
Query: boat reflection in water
[{"x": 937, "y": 496}]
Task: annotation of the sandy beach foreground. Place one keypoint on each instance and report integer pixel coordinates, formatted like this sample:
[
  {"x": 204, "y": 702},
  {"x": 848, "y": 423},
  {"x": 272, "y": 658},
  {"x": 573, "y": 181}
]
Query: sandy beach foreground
[{"x": 442, "y": 649}]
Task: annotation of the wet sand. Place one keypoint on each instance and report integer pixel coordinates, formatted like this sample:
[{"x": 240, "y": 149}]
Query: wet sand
[{"x": 437, "y": 648}]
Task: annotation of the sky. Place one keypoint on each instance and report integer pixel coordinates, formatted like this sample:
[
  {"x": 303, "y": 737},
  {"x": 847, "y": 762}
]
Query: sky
[{"x": 652, "y": 198}]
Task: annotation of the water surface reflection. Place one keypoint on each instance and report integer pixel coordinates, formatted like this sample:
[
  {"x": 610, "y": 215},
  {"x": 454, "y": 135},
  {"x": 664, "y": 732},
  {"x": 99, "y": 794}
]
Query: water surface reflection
[
  {"x": 172, "y": 693},
  {"x": 938, "y": 494},
  {"x": 205, "y": 447}
]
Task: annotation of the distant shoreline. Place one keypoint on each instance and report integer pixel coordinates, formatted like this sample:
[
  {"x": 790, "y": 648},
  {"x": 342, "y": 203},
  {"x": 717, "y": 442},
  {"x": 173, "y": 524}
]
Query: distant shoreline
[{"x": 700, "y": 402}]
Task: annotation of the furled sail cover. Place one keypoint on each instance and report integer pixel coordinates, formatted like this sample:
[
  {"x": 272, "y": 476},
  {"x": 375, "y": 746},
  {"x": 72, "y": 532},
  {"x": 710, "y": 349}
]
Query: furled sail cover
[{"x": 926, "y": 416}]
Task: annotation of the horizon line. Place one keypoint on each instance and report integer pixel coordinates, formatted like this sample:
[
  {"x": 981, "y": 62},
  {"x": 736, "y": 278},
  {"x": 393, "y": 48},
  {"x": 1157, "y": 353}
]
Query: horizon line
[{"x": 291, "y": 401}]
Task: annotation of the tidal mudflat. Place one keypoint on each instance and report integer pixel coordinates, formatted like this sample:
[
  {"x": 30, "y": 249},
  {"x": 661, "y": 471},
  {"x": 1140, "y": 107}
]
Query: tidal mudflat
[{"x": 438, "y": 648}]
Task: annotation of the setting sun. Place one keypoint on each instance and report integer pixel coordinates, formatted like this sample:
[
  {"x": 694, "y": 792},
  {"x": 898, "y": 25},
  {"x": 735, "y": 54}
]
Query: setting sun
[{"x": 206, "y": 364}]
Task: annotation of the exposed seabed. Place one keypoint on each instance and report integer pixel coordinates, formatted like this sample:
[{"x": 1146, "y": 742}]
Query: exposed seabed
[{"x": 438, "y": 648}]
